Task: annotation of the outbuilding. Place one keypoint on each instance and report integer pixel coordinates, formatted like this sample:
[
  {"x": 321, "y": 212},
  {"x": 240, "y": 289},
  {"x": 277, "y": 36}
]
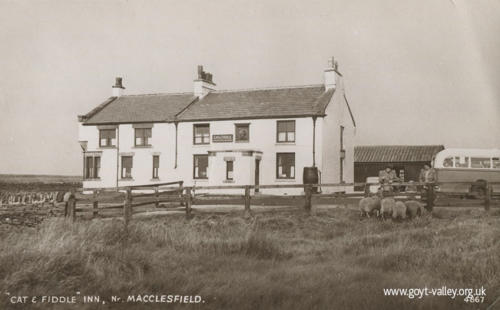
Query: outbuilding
[{"x": 406, "y": 160}]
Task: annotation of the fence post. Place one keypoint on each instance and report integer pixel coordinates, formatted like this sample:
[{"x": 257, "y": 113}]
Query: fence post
[
  {"x": 487, "y": 197},
  {"x": 181, "y": 191},
  {"x": 189, "y": 201},
  {"x": 72, "y": 208},
  {"x": 127, "y": 206},
  {"x": 308, "y": 196},
  {"x": 95, "y": 205},
  {"x": 247, "y": 200},
  {"x": 430, "y": 197},
  {"x": 157, "y": 195}
]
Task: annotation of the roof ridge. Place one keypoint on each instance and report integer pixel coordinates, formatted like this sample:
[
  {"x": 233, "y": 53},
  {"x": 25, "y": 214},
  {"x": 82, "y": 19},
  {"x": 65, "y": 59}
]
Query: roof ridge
[
  {"x": 158, "y": 94},
  {"x": 405, "y": 145},
  {"x": 266, "y": 88}
]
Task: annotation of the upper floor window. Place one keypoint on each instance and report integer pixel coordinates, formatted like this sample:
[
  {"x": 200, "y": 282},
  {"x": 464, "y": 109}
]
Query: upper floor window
[
  {"x": 92, "y": 166},
  {"x": 127, "y": 167},
  {"x": 142, "y": 136},
  {"x": 285, "y": 165},
  {"x": 156, "y": 166},
  {"x": 242, "y": 132},
  {"x": 286, "y": 131},
  {"x": 200, "y": 166},
  {"x": 201, "y": 134},
  {"x": 107, "y": 137}
]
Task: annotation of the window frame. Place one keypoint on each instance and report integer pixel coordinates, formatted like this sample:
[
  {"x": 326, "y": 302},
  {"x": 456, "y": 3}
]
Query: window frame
[
  {"x": 236, "y": 139},
  {"x": 145, "y": 137},
  {"x": 195, "y": 126},
  {"x": 277, "y": 166},
  {"x": 94, "y": 172},
  {"x": 156, "y": 170},
  {"x": 229, "y": 163},
  {"x": 194, "y": 167},
  {"x": 122, "y": 167},
  {"x": 109, "y": 142},
  {"x": 286, "y": 132}
]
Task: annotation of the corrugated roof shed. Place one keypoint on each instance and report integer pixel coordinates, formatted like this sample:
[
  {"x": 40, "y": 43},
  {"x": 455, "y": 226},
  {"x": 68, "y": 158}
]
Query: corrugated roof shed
[
  {"x": 395, "y": 153},
  {"x": 139, "y": 108}
]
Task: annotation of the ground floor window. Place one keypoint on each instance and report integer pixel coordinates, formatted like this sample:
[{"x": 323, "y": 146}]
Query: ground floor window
[
  {"x": 156, "y": 166},
  {"x": 127, "y": 167},
  {"x": 285, "y": 165},
  {"x": 200, "y": 166},
  {"x": 92, "y": 166},
  {"x": 229, "y": 170}
]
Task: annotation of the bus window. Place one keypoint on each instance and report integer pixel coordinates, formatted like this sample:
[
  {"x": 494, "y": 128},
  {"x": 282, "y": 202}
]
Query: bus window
[
  {"x": 476, "y": 162},
  {"x": 448, "y": 162},
  {"x": 461, "y": 162},
  {"x": 496, "y": 163}
]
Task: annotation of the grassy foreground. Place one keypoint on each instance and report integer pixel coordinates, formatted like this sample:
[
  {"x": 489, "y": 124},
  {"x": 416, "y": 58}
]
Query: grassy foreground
[{"x": 275, "y": 260}]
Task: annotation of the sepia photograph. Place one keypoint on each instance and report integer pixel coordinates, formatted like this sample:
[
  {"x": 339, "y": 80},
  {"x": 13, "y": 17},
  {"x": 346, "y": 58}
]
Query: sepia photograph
[{"x": 267, "y": 154}]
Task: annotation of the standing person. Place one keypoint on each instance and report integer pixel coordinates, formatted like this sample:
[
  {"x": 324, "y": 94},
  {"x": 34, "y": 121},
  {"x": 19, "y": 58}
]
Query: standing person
[
  {"x": 427, "y": 174},
  {"x": 386, "y": 177}
]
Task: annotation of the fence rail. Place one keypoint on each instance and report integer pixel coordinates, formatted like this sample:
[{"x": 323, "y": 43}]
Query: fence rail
[{"x": 184, "y": 197}]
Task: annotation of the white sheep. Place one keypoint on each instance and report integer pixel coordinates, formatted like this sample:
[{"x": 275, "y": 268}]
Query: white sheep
[
  {"x": 414, "y": 208},
  {"x": 386, "y": 206},
  {"x": 399, "y": 210},
  {"x": 369, "y": 206}
]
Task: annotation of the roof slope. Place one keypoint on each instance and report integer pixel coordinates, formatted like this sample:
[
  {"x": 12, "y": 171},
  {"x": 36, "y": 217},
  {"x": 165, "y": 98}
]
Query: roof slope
[
  {"x": 139, "y": 108},
  {"x": 395, "y": 153},
  {"x": 259, "y": 103}
]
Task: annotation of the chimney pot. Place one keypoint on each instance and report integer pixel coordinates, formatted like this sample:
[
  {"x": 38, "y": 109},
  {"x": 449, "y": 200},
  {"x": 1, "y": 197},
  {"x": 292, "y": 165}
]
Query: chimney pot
[
  {"x": 118, "y": 87},
  {"x": 331, "y": 62},
  {"x": 118, "y": 83},
  {"x": 200, "y": 72}
]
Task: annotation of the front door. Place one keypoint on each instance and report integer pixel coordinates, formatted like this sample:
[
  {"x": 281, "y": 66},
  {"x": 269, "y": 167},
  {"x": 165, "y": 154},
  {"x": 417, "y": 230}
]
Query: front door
[{"x": 257, "y": 173}]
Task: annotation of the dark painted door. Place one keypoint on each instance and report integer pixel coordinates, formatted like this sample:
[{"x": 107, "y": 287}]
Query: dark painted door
[{"x": 257, "y": 173}]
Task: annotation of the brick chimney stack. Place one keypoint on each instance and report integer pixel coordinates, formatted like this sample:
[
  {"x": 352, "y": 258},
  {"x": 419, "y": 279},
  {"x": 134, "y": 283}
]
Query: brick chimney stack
[
  {"x": 331, "y": 74},
  {"x": 118, "y": 87},
  {"x": 203, "y": 84}
]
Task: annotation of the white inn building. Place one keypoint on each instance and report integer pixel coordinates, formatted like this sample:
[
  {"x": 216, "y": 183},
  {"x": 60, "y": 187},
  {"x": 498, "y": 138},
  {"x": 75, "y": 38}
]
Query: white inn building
[{"x": 220, "y": 137}]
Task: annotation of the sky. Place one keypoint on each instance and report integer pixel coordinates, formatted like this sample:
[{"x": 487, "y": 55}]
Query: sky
[{"x": 415, "y": 72}]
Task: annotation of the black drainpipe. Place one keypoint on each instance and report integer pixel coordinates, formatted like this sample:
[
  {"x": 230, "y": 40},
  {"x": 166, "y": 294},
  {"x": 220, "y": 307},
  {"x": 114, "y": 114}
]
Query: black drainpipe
[
  {"x": 175, "y": 123},
  {"x": 314, "y": 140}
]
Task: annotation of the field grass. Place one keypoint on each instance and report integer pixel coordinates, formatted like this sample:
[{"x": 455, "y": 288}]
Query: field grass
[
  {"x": 38, "y": 182},
  {"x": 274, "y": 260}
]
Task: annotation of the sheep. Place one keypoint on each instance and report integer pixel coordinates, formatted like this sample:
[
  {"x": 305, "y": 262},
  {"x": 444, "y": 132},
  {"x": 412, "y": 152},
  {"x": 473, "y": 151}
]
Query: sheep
[
  {"x": 369, "y": 205},
  {"x": 414, "y": 208},
  {"x": 399, "y": 210},
  {"x": 387, "y": 204}
]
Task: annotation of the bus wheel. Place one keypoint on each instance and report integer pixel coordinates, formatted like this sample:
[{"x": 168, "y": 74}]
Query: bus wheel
[{"x": 478, "y": 189}]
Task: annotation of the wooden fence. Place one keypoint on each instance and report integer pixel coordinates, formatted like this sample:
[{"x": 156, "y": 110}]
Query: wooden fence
[{"x": 183, "y": 198}]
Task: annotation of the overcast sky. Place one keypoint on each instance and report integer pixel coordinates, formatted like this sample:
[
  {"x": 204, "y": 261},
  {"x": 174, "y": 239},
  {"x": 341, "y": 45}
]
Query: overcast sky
[{"x": 416, "y": 72}]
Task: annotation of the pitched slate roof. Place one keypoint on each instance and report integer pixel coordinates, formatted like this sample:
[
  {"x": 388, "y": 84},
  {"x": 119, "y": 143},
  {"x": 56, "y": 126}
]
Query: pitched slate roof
[
  {"x": 259, "y": 103},
  {"x": 238, "y": 104},
  {"x": 395, "y": 153},
  {"x": 139, "y": 108}
]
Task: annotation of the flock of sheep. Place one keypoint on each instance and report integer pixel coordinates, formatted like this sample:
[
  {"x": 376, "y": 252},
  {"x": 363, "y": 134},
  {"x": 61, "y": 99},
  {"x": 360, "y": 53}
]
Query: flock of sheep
[{"x": 389, "y": 207}]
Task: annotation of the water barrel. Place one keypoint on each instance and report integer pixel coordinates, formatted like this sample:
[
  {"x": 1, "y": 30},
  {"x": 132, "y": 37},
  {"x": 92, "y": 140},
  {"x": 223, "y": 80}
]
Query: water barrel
[{"x": 311, "y": 176}]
